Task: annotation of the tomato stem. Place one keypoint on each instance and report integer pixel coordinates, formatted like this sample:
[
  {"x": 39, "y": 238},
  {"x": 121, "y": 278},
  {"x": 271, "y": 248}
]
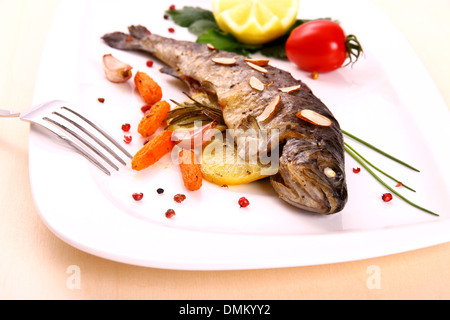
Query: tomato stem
[{"x": 354, "y": 49}]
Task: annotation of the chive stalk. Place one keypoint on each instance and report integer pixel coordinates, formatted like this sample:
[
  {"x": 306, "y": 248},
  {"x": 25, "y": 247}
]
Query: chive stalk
[
  {"x": 362, "y": 163},
  {"x": 378, "y": 169},
  {"x": 379, "y": 151}
]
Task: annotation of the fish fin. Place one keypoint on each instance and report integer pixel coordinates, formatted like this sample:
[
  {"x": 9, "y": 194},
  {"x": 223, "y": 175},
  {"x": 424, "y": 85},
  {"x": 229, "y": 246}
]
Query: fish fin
[
  {"x": 194, "y": 85},
  {"x": 171, "y": 72},
  {"x": 138, "y": 32}
]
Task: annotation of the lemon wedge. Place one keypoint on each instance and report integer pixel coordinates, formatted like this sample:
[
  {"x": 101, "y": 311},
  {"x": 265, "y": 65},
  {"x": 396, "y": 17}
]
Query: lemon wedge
[
  {"x": 221, "y": 165},
  {"x": 255, "y": 21}
]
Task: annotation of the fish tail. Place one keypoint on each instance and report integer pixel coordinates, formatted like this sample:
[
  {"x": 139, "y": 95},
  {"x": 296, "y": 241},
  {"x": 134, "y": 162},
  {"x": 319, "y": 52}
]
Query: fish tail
[
  {"x": 165, "y": 49},
  {"x": 123, "y": 41},
  {"x": 119, "y": 40}
]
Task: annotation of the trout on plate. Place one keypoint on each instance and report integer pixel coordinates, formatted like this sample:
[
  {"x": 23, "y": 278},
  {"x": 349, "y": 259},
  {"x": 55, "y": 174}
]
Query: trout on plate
[{"x": 311, "y": 173}]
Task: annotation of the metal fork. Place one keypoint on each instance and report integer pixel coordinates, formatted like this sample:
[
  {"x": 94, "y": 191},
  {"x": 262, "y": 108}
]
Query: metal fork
[{"x": 83, "y": 135}]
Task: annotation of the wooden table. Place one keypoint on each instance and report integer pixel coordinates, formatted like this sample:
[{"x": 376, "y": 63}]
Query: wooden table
[{"x": 34, "y": 263}]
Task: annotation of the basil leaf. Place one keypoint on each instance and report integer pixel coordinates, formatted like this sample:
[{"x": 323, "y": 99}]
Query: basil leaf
[
  {"x": 188, "y": 15},
  {"x": 202, "y": 26},
  {"x": 277, "y": 51},
  {"x": 226, "y": 42},
  {"x": 201, "y": 23}
]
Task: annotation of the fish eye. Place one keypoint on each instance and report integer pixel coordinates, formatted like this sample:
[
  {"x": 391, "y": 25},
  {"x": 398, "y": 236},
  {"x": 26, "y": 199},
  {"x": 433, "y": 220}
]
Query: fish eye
[
  {"x": 333, "y": 173},
  {"x": 330, "y": 173}
]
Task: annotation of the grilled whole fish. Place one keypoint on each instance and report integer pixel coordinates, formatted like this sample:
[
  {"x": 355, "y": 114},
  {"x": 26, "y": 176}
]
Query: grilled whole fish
[{"x": 311, "y": 173}]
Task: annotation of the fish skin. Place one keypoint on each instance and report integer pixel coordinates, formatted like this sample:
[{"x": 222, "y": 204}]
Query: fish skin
[{"x": 307, "y": 149}]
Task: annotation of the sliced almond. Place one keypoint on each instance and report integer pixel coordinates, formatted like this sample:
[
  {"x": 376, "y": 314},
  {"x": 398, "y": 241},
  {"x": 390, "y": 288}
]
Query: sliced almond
[
  {"x": 314, "y": 118},
  {"x": 256, "y": 84},
  {"x": 224, "y": 61},
  {"x": 290, "y": 89},
  {"x": 258, "y": 62},
  {"x": 256, "y": 67},
  {"x": 270, "y": 109},
  {"x": 210, "y": 46}
]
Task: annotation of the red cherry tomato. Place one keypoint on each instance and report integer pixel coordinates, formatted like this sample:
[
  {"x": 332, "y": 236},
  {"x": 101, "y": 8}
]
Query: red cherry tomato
[{"x": 319, "y": 46}]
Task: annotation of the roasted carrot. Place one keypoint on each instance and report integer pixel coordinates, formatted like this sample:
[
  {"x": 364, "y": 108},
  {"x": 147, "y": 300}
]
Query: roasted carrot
[
  {"x": 153, "y": 151},
  {"x": 153, "y": 118},
  {"x": 149, "y": 90},
  {"x": 190, "y": 170}
]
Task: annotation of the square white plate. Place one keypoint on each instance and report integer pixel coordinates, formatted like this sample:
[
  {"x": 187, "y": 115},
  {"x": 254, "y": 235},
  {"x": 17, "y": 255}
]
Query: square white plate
[{"x": 381, "y": 99}]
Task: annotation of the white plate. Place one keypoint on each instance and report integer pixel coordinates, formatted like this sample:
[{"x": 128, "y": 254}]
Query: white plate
[{"x": 383, "y": 99}]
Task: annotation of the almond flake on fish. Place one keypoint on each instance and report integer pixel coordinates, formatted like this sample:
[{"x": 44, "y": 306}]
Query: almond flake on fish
[
  {"x": 210, "y": 46},
  {"x": 256, "y": 84},
  {"x": 258, "y": 62},
  {"x": 224, "y": 61},
  {"x": 270, "y": 109},
  {"x": 256, "y": 67},
  {"x": 314, "y": 118},
  {"x": 290, "y": 89}
]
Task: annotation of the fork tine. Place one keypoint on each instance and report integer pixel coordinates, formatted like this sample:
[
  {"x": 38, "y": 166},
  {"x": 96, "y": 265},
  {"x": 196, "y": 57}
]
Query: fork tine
[
  {"x": 79, "y": 149},
  {"x": 105, "y": 134},
  {"x": 84, "y": 141},
  {"x": 93, "y": 137}
]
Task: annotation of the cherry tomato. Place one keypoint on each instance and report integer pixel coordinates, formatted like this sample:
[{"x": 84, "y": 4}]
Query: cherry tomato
[{"x": 320, "y": 46}]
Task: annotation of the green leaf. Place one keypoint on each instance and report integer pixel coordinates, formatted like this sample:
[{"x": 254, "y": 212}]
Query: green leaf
[
  {"x": 188, "y": 15},
  {"x": 227, "y": 42},
  {"x": 275, "y": 50},
  {"x": 201, "y": 23},
  {"x": 202, "y": 26}
]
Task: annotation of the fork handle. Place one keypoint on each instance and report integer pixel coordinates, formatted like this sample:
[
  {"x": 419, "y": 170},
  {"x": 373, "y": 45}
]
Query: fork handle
[{"x": 9, "y": 114}]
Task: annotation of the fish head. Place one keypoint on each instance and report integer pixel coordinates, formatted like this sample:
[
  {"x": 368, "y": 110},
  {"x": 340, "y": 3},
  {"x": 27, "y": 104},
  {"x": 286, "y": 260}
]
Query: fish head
[{"x": 311, "y": 177}]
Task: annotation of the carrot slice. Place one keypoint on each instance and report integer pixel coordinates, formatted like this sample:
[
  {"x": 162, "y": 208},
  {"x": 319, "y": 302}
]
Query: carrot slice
[
  {"x": 153, "y": 151},
  {"x": 149, "y": 90},
  {"x": 190, "y": 170},
  {"x": 153, "y": 118}
]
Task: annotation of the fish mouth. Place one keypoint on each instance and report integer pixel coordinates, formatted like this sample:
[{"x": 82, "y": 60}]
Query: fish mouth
[
  {"x": 317, "y": 186},
  {"x": 303, "y": 192}
]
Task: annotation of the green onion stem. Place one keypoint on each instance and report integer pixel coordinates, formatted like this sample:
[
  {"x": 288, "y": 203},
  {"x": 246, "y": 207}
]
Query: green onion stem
[
  {"x": 379, "y": 151},
  {"x": 362, "y": 163},
  {"x": 379, "y": 170}
]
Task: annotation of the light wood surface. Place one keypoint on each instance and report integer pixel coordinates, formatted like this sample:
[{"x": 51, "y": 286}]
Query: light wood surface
[{"x": 34, "y": 263}]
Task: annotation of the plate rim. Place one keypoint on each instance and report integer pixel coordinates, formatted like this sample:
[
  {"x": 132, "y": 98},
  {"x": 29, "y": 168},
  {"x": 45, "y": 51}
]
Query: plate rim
[{"x": 201, "y": 265}]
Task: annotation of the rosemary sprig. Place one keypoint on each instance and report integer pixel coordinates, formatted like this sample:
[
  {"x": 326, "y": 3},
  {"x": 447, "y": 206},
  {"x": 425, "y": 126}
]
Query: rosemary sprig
[
  {"x": 378, "y": 169},
  {"x": 187, "y": 113},
  {"x": 379, "y": 151},
  {"x": 348, "y": 149}
]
